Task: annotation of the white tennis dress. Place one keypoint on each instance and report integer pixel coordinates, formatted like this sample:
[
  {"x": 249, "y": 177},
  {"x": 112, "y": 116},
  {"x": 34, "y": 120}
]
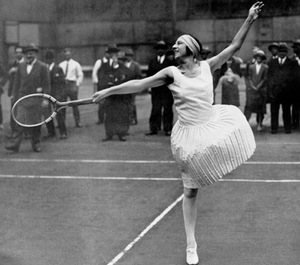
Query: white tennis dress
[{"x": 208, "y": 141}]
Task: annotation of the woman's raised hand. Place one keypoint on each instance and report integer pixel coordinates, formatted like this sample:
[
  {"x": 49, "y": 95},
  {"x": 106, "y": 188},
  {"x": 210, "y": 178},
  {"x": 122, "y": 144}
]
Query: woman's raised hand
[{"x": 255, "y": 10}]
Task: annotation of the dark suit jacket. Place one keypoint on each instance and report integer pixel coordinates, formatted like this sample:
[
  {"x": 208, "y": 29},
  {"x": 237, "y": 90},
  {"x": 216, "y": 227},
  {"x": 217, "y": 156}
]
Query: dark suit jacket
[
  {"x": 154, "y": 67},
  {"x": 296, "y": 87},
  {"x": 281, "y": 79},
  {"x": 25, "y": 84},
  {"x": 57, "y": 81},
  {"x": 136, "y": 69}
]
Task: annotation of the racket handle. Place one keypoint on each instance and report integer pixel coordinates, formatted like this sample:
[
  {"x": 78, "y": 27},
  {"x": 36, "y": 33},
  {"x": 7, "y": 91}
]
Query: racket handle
[{"x": 79, "y": 102}]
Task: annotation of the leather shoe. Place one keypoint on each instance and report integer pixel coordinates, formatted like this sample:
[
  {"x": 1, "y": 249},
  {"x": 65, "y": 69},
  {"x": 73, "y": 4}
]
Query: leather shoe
[
  {"x": 78, "y": 125},
  {"x": 122, "y": 139},
  {"x": 49, "y": 136},
  {"x": 274, "y": 131},
  {"x": 107, "y": 139},
  {"x": 168, "y": 133},
  {"x": 63, "y": 136},
  {"x": 287, "y": 131},
  {"x": 12, "y": 148},
  {"x": 36, "y": 149},
  {"x": 151, "y": 133}
]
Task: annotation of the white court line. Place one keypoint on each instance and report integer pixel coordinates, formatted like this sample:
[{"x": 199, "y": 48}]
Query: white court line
[
  {"x": 263, "y": 180},
  {"x": 85, "y": 177},
  {"x": 142, "y": 179},
  {"x": 135, "y": 161},
  {"x": 145, "y": 231}
]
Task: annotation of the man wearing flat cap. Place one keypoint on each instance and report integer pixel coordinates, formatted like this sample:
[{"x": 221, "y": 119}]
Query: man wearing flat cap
[
  {"x": 161, "y": 97},
  {"x": 100, "y": 75},
  {"x": 32, "y": 76},
  {"x": 281, "y": 78},
  {"x": 296, "y": 90}
]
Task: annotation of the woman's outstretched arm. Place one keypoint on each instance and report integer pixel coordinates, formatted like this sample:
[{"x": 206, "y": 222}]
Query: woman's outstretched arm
[
  {"x": 137, "y": 85},
  {"x": 218, "y": 60}
]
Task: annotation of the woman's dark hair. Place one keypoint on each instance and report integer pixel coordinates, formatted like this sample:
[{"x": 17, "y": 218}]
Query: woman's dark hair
[{"x": 188, "y": 51}]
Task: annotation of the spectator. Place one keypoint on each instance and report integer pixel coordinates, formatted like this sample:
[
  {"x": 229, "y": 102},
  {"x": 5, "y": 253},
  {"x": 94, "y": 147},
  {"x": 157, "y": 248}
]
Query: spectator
[
  {"x": 101, "y": 71},
  {"x": 58, "y": 91},
  {"x": 31, "y": 77},
  {"x": 3, "y": 80},
  {"x": 135, "y": 67},
  {"x": 257, "y": 89},
  {"x": 229, "y": 84},
  {"x": 205, "y": 53},
  {"x": 161, "y": 97},
  {"x": 13, "y": 67},
  {"x": 73, "y": 78},
  {"x": 273, "y": 49},
  {"x": 296, "y": 87},
  {"x": 117, "y": 107},
  {"x": 280, "y": 85}
]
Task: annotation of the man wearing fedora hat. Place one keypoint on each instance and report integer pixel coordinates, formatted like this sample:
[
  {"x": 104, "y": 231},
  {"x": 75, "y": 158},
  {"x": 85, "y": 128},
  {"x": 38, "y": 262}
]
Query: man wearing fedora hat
[
  {"x": 281, "y": 78},
  {"x": 135, "y": 67},
  {"x": 257, "y": 89},
  {"x": 161, "y": 97},
  {"x": 273, "y": 49},
  {"x": 296, "y": 90},
  {"x": 100, "y": 75},
  {"x": 32, "y": 76}
]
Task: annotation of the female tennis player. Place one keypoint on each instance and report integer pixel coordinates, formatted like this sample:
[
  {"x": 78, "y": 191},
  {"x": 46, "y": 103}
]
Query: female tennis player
[{"x": 208, "y": 141}]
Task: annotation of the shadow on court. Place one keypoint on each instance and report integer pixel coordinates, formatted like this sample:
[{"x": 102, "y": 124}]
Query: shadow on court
[{"x": 85, "y": 202}]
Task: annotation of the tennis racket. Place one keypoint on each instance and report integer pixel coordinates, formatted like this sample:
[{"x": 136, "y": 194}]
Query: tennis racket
[{"x": 37, "y": 109}]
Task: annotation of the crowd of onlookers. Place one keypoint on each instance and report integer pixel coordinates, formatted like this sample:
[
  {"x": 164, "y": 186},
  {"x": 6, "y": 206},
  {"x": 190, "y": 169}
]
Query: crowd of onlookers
[{"x": 270, "y": 79}]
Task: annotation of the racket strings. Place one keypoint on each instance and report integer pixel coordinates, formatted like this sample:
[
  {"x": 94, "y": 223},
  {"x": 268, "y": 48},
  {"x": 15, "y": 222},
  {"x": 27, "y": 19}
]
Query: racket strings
[{"x": 33, "y": 110}]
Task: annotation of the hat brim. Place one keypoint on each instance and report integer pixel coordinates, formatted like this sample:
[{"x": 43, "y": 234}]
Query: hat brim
[
  {"x": 112, "y": 50},
  {"x": 31, "y": 50},
  {"x": 272, "y": 46},
  {"x": 160, "y": 47}
]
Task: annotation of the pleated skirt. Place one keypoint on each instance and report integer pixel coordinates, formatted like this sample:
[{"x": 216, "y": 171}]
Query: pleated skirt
[{"x": 206, "y": 152}]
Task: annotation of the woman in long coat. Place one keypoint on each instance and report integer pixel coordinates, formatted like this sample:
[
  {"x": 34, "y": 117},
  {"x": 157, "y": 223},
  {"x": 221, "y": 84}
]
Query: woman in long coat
[{"x": 256, "y": 94}]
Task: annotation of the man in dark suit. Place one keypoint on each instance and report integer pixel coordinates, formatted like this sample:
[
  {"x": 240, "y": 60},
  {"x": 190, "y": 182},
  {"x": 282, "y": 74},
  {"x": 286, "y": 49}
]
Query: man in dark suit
[
  {"x": 280, "y": 86},
  {"x": 31, "y": 77},
  {"x": 161, "y": 97},
  {"x": 13, "y": 67},
  {"x": 273, "y": 49},
  {"x": 100, "y": 75},
  {"x": 296, "y": 88},
  {"x": 58, "y": 91},
  {"x": 135, "y": 67}
]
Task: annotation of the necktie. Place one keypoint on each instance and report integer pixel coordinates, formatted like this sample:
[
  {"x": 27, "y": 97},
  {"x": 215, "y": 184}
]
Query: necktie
[{"x": 67, "y": 69}]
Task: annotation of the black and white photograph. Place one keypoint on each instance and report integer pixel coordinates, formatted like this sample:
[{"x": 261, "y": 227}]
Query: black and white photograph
[{"x": 149, "y": 132}]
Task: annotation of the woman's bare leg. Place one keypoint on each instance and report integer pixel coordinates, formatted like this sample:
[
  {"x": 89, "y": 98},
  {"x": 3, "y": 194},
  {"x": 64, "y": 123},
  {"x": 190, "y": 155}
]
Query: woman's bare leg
[{"x": 189, "y": 207}]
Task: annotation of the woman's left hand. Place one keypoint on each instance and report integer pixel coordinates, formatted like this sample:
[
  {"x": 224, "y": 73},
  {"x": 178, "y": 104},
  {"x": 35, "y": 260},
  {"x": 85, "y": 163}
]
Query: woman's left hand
[{"x": 255, "y": 10}]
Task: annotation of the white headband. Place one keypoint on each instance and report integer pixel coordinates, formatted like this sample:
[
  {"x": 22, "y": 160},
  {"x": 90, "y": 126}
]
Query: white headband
[{"x": 191, "y": 43}]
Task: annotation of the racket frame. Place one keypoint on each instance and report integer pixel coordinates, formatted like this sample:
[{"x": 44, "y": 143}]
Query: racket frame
[{"x": 57, "y": 107}]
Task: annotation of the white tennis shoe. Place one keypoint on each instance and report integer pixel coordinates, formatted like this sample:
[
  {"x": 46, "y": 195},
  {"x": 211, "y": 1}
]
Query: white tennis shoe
[{"x": 192, "y": 256}]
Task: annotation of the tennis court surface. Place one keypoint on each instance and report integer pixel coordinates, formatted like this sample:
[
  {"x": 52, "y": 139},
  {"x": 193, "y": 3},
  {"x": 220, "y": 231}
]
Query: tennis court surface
[{"x": 85, "y": 202}]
